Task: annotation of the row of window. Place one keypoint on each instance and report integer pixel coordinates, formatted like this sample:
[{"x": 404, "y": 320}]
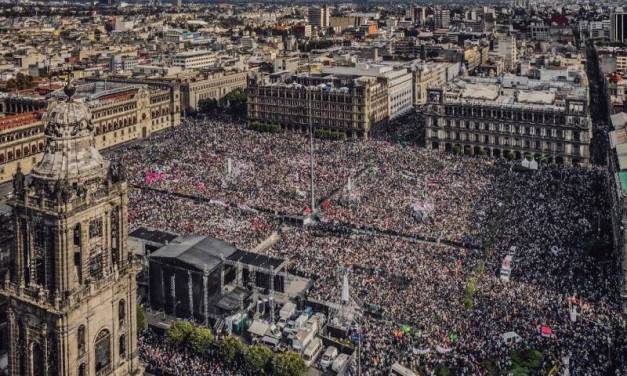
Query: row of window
[
  {"x": 18, "y": 135},
  {"x": 506, "y": 141},
  {"x": 19, "y": 152},
  {"x": 505, "y": 114},
  {"x": 511, "y": 128},
  {"x": 115, "y": 110}
]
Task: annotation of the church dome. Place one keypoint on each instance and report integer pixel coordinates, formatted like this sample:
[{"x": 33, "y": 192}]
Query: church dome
[
  {"x": 69, "y": 114},
  {"x": 70, "y": 152}
]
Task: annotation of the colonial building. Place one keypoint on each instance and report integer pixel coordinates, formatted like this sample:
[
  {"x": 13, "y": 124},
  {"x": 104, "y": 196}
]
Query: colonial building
[
  {"x": 71, "y": 289},
  {"x": 345, "y": 104},
  {"x": 513, "y": 116},
  {"x": 21, "y": 142},
  {"x": 121, "y": 112},
  {"x": 211, "y": 85}
]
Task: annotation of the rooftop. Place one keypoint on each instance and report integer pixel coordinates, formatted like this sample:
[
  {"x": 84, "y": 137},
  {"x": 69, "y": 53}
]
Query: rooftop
[
  {"x": 510, "y": 90},
  {"x": 14, "y": 121}
]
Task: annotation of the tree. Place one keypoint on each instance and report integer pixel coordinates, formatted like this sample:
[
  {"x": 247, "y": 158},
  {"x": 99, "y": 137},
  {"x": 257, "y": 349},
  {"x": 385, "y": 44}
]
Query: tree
[
  {"x": 288, "y": 364},
  {"x": 525, "y": 362},
  {"x": 179, "y": 332},
  {"x": 141, "y": 319},
  {"x": 236, "y": 101},
  {"x": 230, "y": 348},
  {"x": 200, "y": 340},
  {"x": 258, "y": 358}
]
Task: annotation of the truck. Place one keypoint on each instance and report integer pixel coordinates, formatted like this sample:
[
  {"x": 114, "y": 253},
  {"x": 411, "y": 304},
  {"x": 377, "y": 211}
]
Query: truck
[
  {"x": 308, "y": 332},
  {"x": 286, "y": 313},
  {"x": 292, "y": 326}
]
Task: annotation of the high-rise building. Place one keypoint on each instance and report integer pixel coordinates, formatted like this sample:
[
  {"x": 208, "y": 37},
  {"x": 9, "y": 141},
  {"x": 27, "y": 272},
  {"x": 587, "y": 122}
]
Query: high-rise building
[
  {"x": 442, "y": 18},
  {"x": 618, "y": 26},
  {"x": 71, "y": 288},
  {"x": 419, "y": 15},
  {"x": 320, "y": 16}
]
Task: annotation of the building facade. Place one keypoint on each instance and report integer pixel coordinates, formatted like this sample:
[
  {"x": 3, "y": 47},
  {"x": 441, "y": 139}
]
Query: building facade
[
  {"x": 349, "y": 105},
  {"x": 509, "y": 118},
  {"x": 120, "y": 113},
  {"x": 211, "y": 86},
  {"x": 71, "y": 288},
  {"x": 194, "y": 59},
  {"x": 397, "y": 78},
  {"x": 320, "y": 16},
  {"x": 618, "y": 26},
  {"x": 21, "y": 142}
]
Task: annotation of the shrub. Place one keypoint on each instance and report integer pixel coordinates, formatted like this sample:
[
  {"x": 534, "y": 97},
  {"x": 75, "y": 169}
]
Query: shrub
[
  {"x": 258, "y": 358},
  {"x": 200, "y": 340},
  {"x": 179, "y": 332},
  {"x": 288, "y": 364},
  {"x": 230, "y": 348}
]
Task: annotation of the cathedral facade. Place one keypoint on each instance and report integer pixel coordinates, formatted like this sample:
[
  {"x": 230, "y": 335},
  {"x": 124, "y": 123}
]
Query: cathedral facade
[{"x": 71, "y": 290}]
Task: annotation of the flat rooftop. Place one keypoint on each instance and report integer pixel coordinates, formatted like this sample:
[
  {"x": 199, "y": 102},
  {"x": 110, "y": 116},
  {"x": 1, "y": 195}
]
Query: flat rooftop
[{"x": 517, "y": 91}]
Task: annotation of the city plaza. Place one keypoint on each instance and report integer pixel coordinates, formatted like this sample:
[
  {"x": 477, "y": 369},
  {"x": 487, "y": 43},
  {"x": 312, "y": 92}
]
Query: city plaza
[{"x": 216, "y": 178}]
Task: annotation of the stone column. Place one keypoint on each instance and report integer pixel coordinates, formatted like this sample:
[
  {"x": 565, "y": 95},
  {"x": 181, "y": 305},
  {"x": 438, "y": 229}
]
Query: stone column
[
  {"x": 44, "y": 348},
  {"x": 14, "y": 343},
  {"x": 19, "y": 251}
]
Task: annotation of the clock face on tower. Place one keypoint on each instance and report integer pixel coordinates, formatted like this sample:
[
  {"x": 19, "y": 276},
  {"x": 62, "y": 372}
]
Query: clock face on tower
[{"x": 72, "y": 284}]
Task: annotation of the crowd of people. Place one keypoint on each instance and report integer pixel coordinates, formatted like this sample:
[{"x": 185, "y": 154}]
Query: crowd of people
[
  {"x": 161, "y": 358},
  {"x": 416, "y": 269}
]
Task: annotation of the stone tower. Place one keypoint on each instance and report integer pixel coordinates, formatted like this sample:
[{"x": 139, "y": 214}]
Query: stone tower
[{"x": 72, "y": 288}]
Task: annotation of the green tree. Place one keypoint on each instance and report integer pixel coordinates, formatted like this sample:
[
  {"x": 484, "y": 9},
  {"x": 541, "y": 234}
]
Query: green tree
[
  {"x": 526, "y": 362},
  {"x": 288, "y": 364},
  {"x": 230, "y": 348},
  {"x": 236, "y": 101},
  {"x": 442, "y": 370},
  {"x": 141, "y": 319},
  {"x": 200, "y": 340},
  {"x": 258, "y": 358},
  {"x": 179, "y": 332}
]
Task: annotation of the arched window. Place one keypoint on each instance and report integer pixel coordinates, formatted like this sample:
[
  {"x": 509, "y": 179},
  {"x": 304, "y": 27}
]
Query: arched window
[
  {"x": 122, "y": 312},
  {"x": 80, "y": 337},
  {"x": 81, "y": 370},
  {"x": 103, "y": 350}
]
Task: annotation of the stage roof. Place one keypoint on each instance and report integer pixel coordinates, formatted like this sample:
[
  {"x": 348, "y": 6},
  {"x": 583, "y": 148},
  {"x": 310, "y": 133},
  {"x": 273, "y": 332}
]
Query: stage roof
[
  {"x": 199, "y": 252},
  {"x": 256, "y": 259},
  {"x": 155, "y": 236}
]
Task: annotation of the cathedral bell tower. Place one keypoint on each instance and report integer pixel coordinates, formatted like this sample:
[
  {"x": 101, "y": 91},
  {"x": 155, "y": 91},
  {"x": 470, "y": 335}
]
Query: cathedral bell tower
[{"x": 71, "y": 290}]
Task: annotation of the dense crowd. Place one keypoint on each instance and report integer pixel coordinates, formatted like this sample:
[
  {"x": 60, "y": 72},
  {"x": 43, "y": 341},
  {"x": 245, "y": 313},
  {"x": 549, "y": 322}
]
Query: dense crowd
[
  {"x": 163, "y": 359},
  {"x": 555, "y": 218}
]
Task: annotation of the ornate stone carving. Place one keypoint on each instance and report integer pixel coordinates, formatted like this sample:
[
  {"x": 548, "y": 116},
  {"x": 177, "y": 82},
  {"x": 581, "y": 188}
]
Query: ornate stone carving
[
  {"x": 117, "y": 172},
  {"x": 18, "y": 181}
]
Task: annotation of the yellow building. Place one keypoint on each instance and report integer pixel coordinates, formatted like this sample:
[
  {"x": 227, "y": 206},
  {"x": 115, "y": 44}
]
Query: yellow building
[{"x": 120, "y": 113}]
